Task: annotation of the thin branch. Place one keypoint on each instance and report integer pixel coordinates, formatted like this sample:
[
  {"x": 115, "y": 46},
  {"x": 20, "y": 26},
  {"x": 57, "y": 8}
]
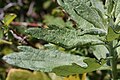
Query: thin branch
[
  {"x": 30, "y": 10},
  {"x": 9, "y": 5},
  {"x": 20, "y": 38},
  {"x": 27, "y": 24},
  {"x": 1, "y": 13},
  {"x": 20, "y": 2}
]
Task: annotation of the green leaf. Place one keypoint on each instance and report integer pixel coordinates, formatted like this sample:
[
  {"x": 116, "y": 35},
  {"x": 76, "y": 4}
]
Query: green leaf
[
  {"x": 117, "y": 10},
  {"x": 109, "y": 4},
  {"x": 117, "y": 21},
  {"x": 76, "y": 69},
  {"x": 111, "y": 35},
  {"x": 91, "y": 15},
  {"x": 80, "y": 10},
  {"x": 99, "y": 5},
  {"x": 100, "y": 51},
  {"x": 94, "y": 31},
  {"x": 63, "y": 37},
  {"x": 51, "y": 61},
  {"x": 8, "y": 19},
  {"x": 68, "y": 6},
  {"x": 44, "y": 60}
]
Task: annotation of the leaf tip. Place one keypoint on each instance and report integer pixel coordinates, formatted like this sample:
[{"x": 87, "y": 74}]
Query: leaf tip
[{"x": 5, "y": 58}]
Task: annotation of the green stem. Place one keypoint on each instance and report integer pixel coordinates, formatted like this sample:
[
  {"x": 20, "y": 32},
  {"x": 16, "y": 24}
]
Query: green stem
[{"x": 113, "y": 61}]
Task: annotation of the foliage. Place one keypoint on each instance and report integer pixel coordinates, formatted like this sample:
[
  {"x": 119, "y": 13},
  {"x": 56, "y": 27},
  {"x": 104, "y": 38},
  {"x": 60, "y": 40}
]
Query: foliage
[
  {"x": 84, "y": 38},
  {"x": 63, "y": 37},
  {"x": 52, "y": 61}
]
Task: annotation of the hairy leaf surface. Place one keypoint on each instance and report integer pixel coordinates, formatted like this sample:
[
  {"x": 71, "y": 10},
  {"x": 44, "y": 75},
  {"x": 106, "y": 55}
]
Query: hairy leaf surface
[
  {"x": 109, "y": 5},
  {"x": 79, "y": 9},
  {"x": 99, "y": 5},
  {"x": 117, "y": 10},
  {"x": 89, "y": 14},
  {"x": 100, "y": 51},
  {"x": 94, "y": 31},
  {"x": 68, "y": 6},
  {"x": 51, "y": 61},
  {"x": 44, "y": 60},
  {"x": 63, "y": 37}
]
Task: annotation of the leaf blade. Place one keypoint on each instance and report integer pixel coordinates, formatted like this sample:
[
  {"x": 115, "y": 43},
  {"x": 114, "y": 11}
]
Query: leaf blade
[
  {"x": 78, "y": 13},
  {"x": 63, "y": 37},
  {"x": 8, "y": 19},
  {"x": 36, "y": 59},
  {"x": 50, "y": 60},
  {"x": 91, "y": 15},
  {"x": 65, "y": 70},
  {"x": 100, "y": 51}
]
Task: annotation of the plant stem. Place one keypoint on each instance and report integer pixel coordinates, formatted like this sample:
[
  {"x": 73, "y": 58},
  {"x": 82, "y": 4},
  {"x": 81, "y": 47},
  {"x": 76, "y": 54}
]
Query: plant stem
[{"x": 113, "y": 61}]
